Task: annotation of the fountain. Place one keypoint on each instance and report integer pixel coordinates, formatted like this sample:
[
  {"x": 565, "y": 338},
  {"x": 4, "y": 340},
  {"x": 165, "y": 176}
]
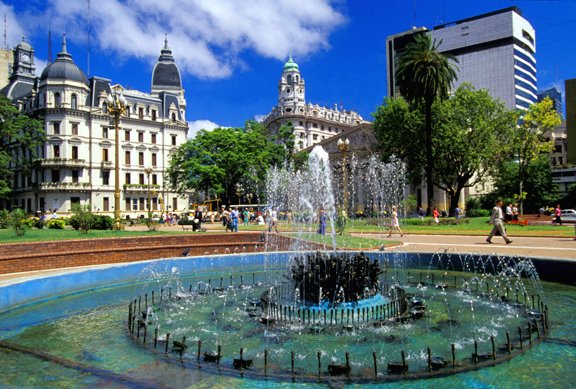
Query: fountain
[{"x": 293, "y": 316}]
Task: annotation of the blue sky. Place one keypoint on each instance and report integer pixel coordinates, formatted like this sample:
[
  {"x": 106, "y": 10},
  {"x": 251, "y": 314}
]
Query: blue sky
[{"x": 231, "y": 52}]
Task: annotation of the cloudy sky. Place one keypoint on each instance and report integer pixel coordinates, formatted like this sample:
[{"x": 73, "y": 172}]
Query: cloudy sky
[{"x": 231, "y": 52}]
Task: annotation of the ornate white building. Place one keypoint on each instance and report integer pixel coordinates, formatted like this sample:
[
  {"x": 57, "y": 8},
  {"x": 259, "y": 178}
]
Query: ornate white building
[
  {"x": 76, "y": 163},
  {"x": 311, "y": 122}
]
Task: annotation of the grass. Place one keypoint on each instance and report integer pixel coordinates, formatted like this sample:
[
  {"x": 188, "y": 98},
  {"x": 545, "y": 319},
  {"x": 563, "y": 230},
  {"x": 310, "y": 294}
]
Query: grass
[
  {"x": 476, "y": 226},
  {"x": 348, "y": 241},
  {"x": 35, "y": 235}
]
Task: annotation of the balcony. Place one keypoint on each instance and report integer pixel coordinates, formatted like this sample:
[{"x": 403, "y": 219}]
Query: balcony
[
  {"x": 63, "y": 186},
  {"x": 50, "y": 163},
  {"x": 107, "y": 165},
  {"x": 140, "y": 188}
]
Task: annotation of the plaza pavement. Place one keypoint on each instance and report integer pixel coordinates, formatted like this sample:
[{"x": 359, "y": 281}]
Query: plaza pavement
[{"x": 543, "y": 247}]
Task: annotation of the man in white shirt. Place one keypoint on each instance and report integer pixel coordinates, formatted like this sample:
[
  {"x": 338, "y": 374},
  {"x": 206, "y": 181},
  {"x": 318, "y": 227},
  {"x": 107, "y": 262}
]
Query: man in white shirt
[{"x": 496, "y": 220}]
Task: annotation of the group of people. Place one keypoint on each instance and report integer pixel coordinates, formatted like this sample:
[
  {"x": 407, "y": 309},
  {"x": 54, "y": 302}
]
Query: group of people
[{"x": 231, "y": 217}]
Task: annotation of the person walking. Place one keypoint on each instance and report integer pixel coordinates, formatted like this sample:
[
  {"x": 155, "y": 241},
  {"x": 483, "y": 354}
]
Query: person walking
[
  {"x": 557, "y": 214},
  {"x": 435, "y": 215},
  {"x": 496, "y": 220},
  {"x": 234, "y": 218},
  {"x": 395, "y": 224},
  {"x": 322, "y": 222}
]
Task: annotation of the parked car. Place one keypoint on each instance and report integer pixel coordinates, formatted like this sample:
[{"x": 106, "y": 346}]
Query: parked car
[{"x": 567, "y": 216}]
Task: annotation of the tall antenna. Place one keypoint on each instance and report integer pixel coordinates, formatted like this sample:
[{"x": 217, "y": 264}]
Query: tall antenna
[
  {"x": 5, "y": 38},
  {"x": 89, "y": 35},
  {"x": 49, "y": 44}
]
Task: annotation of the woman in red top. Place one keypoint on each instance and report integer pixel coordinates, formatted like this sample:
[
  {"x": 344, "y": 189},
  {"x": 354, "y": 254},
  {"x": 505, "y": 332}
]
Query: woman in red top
[
  {"x": 435, "y": 215},
  {"x": 557, "y": 213}
]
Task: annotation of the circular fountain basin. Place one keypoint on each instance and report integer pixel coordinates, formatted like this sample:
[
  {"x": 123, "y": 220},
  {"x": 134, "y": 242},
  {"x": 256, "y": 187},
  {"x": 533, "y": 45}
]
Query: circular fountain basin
[{"x": 55, "y": 327}]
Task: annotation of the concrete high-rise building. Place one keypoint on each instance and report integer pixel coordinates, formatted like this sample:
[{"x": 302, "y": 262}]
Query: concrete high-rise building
[
  {"x": 495, "y": 51},
  {"x": 75, "y": 164},
  {"x": 554, "y": 95}
]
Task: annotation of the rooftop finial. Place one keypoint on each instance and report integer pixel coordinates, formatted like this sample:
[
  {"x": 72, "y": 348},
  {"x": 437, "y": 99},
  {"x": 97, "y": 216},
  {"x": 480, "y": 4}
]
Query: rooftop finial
[
  {"x": 64, "y": 50},
  {"x": 166, "y": 41}
]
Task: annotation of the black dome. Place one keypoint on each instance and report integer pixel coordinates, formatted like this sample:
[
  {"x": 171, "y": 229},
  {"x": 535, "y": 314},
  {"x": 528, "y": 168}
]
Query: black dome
[
  {"x": 166, "y": 73},
  {"x": 64, "y": 68}
]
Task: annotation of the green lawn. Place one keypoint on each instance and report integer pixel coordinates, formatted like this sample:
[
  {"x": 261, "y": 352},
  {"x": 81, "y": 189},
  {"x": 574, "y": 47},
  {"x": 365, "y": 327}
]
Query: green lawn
[{"x": 475, "y": 226}]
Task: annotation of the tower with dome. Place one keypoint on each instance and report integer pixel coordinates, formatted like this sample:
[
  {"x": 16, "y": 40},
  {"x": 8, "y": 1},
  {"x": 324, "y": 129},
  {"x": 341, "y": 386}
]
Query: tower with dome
[{"x": 312, "y": 123}]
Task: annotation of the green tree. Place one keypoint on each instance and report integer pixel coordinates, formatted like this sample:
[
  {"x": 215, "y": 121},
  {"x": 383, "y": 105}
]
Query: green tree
[
  {"x": 19, "y": 136},
  {"x": 530, "y": 138},
  {"x": 398, "y": 129},
  {"x": 286, "y": 138},
  {"x": 17, "y": 221},
  {"x": 539, "y": 188},
  {"x": 472, "y": 135},
  {"x": 216, "y": 161},
  {"x": 425, "y": 75}
]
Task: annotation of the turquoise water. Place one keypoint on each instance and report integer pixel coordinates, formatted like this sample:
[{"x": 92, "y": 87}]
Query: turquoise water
[{"x": 88, "y": 331}]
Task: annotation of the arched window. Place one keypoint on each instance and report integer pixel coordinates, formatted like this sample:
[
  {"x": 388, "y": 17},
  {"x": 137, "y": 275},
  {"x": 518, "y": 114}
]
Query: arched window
[
  {"x": 296, "y": 79},
  {"x": 289, "y": 79},
  {"x": 74, "y": 101},
  {"x": 57, "y": 100},
  {"x": 105, "y": 107},
  {"x": 173, "y": 116}
]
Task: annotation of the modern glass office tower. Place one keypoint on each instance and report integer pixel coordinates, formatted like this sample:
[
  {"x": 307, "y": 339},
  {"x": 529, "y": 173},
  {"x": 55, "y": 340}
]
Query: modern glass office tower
[{"x": 495, "y": 52}]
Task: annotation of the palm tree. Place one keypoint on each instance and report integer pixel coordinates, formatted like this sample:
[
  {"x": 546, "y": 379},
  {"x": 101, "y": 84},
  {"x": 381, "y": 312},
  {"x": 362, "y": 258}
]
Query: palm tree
[{"x": 424, "y": 74}]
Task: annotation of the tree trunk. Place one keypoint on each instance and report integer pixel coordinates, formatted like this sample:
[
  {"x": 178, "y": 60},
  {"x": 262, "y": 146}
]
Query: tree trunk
[
  {"x": 454, "y": 200},
  {"x": 429, "y": 159}
]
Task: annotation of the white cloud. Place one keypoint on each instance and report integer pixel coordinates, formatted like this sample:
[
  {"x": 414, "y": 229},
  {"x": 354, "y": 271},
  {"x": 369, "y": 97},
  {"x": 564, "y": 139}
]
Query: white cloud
[
  {"x": 197, "y": 125},
  {"x": 207, "y": 37}
]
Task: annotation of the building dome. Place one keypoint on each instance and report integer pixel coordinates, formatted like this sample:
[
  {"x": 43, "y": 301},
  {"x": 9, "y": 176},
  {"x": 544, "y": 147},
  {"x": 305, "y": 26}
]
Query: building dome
[
  {"x": 291, "y": 65},
  {"x": 23, "y": 45},
  {"x": 64, "y": 68},
  {"x": 166, "y": 73}
]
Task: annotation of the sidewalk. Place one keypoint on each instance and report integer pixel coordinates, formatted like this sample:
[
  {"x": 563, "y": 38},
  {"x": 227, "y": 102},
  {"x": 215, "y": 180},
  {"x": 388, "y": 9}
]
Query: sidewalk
[{"x": 553, "y": 247}]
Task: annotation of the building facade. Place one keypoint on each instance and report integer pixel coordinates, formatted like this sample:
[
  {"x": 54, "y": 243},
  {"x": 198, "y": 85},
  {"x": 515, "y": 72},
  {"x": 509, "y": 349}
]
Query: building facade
[
  {"x": 495, "y": 51},
  {"x": 554, "y": 95},
  {"x": 76, "y": 163},
  {"x": 311, "y": 122}
]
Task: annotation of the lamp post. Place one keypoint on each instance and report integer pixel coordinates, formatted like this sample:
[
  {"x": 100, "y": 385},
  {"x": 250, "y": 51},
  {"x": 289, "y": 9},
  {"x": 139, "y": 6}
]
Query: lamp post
[
  {"x": 344, "y": 147},
  {"x": 148, "y": 170},
  {"x": 116, "y": 108}
]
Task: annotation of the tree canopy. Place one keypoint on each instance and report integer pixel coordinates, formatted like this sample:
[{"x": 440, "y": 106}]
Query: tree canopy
[
  {"x": 425, "y": 75},
  {"x": 19, "y": 137},
  {"x": 223, "y": 160},
  {"x": 473, "y": 134}
]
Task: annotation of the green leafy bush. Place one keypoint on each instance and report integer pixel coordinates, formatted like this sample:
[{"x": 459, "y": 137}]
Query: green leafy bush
[
  {"x": 4, "y": 218},
  {"x": 82, "y": 218},
  {"x": 103, "y": 222},
  {"x": 18, "y": 221},
  {"x": 56, "y": 224},
  {"x": 478, "y": 213}
]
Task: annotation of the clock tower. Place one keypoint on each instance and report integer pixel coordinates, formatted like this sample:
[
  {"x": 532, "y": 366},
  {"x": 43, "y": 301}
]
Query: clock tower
[
  {"x": 23, "y": 60},
  {"x": 291, "y": 89}
]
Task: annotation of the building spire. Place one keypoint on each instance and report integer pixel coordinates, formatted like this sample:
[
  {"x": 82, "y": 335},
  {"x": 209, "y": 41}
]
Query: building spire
[{"x": 64, "y": 50}]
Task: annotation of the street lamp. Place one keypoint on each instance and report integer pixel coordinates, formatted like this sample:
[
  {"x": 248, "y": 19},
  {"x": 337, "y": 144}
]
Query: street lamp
[
  {"x": 344, "y": 147},
  {"x": 148, "y": 170},
  {"x": 116, "y": 108}
]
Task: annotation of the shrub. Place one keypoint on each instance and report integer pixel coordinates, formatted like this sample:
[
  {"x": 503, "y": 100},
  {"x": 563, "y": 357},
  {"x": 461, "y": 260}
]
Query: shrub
[
  {"x": 82, "y": 218},
  {"x": 103, "y": 222},
  {"x": 4, "y": 218},
  {"x": 56, "y": 224},
  {"x": 18, "y": 221},
  {"x": 477, "y": 213}
]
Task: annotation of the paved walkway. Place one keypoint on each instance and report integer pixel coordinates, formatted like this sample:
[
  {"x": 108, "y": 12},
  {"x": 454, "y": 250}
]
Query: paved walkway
[{"x": 549, "y": 247}]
